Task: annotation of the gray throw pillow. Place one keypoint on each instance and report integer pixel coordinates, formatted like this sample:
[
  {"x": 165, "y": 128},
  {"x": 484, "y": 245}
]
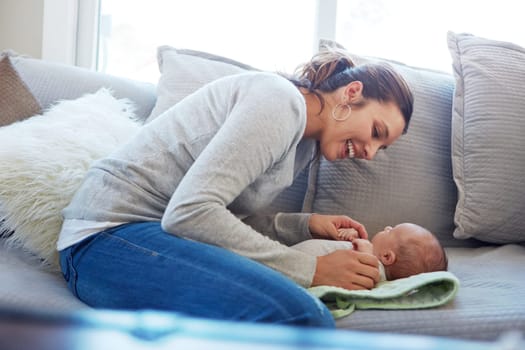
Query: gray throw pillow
[
  {"x": 411, "y": 181},
  {"x": 488, "y": 138},
  {"x": 183, "y": 71}
]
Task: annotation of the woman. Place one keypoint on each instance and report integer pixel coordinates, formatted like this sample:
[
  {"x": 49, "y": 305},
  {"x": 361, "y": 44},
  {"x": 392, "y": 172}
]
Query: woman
[{"x": 168, "y": 221}]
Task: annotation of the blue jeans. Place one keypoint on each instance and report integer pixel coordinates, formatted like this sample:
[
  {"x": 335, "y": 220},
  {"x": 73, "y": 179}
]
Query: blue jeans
[{"x": 140, "y": 266}]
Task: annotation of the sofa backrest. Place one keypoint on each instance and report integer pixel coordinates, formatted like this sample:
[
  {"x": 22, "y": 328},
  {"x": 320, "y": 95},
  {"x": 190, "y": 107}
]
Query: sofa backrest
[{"x": 50, "y": 82}]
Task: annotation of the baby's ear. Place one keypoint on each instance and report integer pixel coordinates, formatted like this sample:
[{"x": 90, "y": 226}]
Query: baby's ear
[{"x": 387, "y": 257}]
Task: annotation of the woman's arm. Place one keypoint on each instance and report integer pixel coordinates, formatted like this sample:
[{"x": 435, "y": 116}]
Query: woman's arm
[
  {"x": 287, "y": 228},
  {"x": 257, "y": 141}
]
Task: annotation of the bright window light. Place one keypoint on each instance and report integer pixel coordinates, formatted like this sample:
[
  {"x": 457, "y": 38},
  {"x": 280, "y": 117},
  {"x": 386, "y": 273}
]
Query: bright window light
[
  {"x": 278, "y": 35},
  {"x": 414, "y": 31},
  {"x": 271, "y": 34}
]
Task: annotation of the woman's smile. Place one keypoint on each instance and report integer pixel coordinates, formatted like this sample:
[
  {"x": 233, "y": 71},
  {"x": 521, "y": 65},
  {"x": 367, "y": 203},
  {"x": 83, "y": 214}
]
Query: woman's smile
[
  {"x": 347, "y": 150},
  {"x": 350, "y": 147}
]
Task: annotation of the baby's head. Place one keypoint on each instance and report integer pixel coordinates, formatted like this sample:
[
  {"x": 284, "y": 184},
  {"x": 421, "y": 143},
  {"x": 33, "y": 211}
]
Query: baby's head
[{"x": 408, "y": 249}]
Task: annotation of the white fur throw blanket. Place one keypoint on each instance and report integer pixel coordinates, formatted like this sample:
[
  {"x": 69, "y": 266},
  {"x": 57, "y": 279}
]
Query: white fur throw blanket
[{"x": 43, "y": 160}]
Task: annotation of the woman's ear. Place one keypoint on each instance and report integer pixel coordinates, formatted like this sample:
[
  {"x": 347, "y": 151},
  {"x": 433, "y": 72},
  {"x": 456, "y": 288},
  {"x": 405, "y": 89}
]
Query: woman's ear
[
  {"x": 388, "y": 257},
  {"x": 354, "y": 91}
]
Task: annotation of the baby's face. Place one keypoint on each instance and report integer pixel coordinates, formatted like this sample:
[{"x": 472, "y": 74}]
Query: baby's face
[{"x": 391, "y": 236}]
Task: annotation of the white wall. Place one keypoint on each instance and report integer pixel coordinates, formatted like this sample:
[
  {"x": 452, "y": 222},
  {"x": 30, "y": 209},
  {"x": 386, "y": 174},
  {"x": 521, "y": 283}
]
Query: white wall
[{"x": 21, "y": 23}]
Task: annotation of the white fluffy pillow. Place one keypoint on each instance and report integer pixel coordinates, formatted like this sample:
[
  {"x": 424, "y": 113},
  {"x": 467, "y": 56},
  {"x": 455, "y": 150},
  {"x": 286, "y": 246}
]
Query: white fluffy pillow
[{"x": 43, "y": 160}]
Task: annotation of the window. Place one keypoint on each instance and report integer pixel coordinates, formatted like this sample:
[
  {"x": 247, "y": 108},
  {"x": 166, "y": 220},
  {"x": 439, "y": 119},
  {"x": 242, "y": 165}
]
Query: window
[
  {"x": 278, "y": 35},
  {"x": 269, "y": 34},
  {"x": 414, "y": 31}
]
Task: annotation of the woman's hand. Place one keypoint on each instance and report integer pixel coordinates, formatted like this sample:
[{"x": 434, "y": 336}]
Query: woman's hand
[
  {"x": 330, "y": 226},
  {"x": 347, "y": 269}
]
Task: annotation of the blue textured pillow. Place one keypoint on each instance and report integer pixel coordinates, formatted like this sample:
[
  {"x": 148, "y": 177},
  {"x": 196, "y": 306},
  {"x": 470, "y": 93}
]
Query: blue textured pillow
[{"x": 411, "y": 181}]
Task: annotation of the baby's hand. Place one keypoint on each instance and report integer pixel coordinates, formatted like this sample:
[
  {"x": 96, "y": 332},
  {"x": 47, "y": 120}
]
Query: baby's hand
[
  {"x": 347, "y": 234},
  {"x": 327, "y": 226}
]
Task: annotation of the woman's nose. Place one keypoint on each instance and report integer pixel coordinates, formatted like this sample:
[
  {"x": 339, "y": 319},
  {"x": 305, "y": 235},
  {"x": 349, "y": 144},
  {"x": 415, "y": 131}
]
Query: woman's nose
[{"x": 370, "y": 151}]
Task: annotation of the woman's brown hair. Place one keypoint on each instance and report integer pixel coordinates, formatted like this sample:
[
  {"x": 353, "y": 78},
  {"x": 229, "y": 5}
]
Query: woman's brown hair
[{"x": 332, "y": 68}]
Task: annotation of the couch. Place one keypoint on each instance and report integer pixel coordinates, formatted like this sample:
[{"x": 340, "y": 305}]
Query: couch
[{"x": 458, "y": 171}]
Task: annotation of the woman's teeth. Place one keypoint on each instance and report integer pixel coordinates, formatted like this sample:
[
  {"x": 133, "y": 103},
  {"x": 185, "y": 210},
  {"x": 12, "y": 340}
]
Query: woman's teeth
[{"x": 351, "y": 153}]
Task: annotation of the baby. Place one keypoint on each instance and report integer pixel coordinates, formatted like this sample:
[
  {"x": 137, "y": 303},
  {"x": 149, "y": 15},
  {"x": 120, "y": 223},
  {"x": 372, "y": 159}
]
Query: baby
[{"x": 404, "y": 250}]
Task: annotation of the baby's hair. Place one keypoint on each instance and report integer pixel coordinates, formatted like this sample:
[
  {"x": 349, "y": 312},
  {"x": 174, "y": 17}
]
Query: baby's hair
[
  {"x": 437, "y": 262},
  {"x": 415, "y": 257}
]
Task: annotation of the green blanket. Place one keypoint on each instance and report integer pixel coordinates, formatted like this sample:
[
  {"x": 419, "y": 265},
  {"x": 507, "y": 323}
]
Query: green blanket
[{"x": 420, "y": 291}]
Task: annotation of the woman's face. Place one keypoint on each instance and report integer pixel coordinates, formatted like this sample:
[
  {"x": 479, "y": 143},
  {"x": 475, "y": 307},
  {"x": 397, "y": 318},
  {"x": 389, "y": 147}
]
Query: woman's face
[{"x": 371, "y": 126}]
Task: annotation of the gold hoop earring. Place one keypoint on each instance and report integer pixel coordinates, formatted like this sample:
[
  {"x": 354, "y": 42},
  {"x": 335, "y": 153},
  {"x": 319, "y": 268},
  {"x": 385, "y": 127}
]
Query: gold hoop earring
[{"x": 344, "y": 117}]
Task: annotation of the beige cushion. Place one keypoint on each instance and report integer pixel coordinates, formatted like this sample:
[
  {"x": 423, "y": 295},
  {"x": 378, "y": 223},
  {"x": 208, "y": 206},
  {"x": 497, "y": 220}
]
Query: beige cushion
[{"x": 16, "y": 101}]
